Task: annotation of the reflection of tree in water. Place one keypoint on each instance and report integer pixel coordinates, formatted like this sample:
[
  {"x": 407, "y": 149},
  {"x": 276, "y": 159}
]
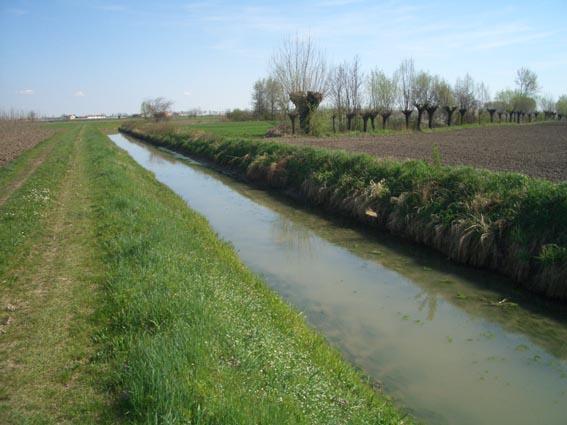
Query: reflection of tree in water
[
  {"x": 429, "y": 300},
  {"x": 156, "y": 157},
  {"x": 294, "y": 236}
]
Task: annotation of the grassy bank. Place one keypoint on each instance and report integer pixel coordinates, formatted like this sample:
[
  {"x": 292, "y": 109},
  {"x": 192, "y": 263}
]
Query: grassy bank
[
  {"x": 195, "y": 336},
  {"x": 501, "y": 221},
  {"x": 119, "y": 304}
]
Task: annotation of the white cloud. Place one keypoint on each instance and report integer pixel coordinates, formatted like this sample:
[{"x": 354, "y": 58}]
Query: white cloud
[
  {"x": 26, "y": 92},
  {"x": 79, "y": 93},
  {"x": 186, "y": 93}
]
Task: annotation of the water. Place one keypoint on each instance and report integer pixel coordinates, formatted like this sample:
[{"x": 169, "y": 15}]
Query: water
[{"x": 441, "y": 342}]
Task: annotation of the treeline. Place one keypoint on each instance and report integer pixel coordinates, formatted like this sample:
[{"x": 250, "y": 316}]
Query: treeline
[
  {"x": 18, "y": 115},
  {"x": 300, "y": 81}
]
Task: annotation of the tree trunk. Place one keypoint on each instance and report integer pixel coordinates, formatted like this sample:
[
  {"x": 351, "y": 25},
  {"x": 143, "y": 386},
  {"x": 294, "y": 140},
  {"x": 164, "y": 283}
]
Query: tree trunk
[
  {"x": 491, "y": 112},
  {"x": 373, "y": 115},
  {"x": 365, "y": 123},
  {"x": 385, "y": 116},
  {"x": 292, "y": 117},
  {"x": 420, "y": 108},
  {"x": 450, "y": 110},
  {"x": 407, "y": 113},
  {"x": 349, "y": 117},
  {"x": 430, "y": 111},
  {"x": 499, "y": 117},
  {"x": 334, "y": 123},
  {"x": 462, "y": 111}
]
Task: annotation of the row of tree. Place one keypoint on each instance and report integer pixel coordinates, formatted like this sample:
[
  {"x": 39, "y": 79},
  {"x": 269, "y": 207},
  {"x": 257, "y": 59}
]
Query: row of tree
[{"x": 300, "y": 76}]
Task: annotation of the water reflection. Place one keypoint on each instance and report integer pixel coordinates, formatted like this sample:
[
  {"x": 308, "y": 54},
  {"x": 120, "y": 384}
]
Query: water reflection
[{"x": 434, "y": 333}]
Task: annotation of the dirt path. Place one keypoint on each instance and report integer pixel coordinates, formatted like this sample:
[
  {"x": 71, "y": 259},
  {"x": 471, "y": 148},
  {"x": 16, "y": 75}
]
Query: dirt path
[
  {"x": 47, "y": 350},
  {"x": 23, "y": 176},
  {"x": 536, "y": 150}
]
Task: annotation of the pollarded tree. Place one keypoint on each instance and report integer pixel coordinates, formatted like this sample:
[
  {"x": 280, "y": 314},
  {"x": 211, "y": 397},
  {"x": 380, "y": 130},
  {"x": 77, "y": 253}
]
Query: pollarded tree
[
  {"x": 422, "y": 91},
  {"x": 447, "y": 100},
  {"x": 505, "y": 98},
  {"x": 482, "y": 98},
  {"x": 301, "y": 70},
  {"x": 405, "y": 76},
  {"x": 337, "y": 88},
  {"x": 438, "y": 90},
  {"x": 382, "y": 94},
  {"x": 353, "y": 90},
  {"x": 522, "y": 105},
  {"x": 561, "y": 107},
  {"x": 464, "y": 93},
  {"x": 547, "y": 105}
]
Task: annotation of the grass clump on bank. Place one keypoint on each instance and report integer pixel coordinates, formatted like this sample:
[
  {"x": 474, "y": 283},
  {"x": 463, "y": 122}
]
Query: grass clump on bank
[
  {"x": 194, "y": 335},
  {"x": 506, "y": 222}
]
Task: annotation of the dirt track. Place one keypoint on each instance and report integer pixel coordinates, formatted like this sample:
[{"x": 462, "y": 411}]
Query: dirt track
[
  {"x": 537, "y": 150},
  {"x": 18, "y": 136}
]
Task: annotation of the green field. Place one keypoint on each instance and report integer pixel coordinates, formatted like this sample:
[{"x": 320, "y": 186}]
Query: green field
[{"x": 123, "y": 306}]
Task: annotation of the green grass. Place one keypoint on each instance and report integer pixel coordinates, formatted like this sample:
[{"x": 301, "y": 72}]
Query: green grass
[
  {"x": 233, "y": 129},
  {"x": 501, "y": 221},
  {"x": 197, "y": 338},
  {"x": 125, "y": 307},
  {"x": 49, "y": 295}
]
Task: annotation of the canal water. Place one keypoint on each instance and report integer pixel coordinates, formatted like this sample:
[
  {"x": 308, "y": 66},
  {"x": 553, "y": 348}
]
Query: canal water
[{"x": 451, "y": 345}]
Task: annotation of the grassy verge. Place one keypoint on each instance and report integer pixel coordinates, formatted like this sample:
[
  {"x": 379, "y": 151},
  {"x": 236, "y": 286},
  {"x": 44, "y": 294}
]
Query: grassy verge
[
  {"x": 49, "y": 293},
  {"x": 196, "y": 337},
  {"x": 120, "y": 304},
  {"x": 501, "y": 221}
]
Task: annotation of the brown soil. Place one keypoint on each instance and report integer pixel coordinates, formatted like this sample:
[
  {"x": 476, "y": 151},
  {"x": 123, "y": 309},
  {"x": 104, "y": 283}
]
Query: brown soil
[
  {"x": 24, "y": 175},
  {"x": 536, "y": 150},
  {"x": 18, "y": 136}
]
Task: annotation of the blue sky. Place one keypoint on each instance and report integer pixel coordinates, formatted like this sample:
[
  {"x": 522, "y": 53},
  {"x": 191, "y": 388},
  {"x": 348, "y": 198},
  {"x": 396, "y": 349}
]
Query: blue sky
[{"x": 94, "y": 56}]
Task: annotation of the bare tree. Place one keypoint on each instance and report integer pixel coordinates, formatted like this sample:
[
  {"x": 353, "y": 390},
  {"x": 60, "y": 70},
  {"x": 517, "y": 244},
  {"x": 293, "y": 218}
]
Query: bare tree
[
  {"x": 526, "y": 81},
  {"x": 561, "y": 107},
  {"x": 405, "y": 75},
  {"x": 337, "y": 92},
  {"x": 505, "y": 100},
  {"x": 301, "y": 70},
  {"x": 259, "y": 99},
  {"x": 353, "y": 90},
  {"x": 421, "y": 95},
  {"x": 446, "y": 98},
  {"x": 547, "y": 105},
  {"x": 464, "y": 93},
  {"x": 274, "y": 97},
  {"x": 158, "y": 109},
  {"x": 482, "y": 98},
  {"x": 438, "y": 91},
  {"x": 382, "y": 94}
]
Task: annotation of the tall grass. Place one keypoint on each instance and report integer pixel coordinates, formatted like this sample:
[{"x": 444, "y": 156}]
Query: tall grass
[
  {"x": 195, "y": 336},
  {"x": 507, "y": 222}
]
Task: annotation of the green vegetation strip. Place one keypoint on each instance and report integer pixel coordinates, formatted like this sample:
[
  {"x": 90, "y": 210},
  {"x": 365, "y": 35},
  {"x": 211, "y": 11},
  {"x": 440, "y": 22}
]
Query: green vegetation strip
[
  {"x": 501, "y": 221},
  {"x": 49, "y": 293},
  {"x": 195, "y": 337}
]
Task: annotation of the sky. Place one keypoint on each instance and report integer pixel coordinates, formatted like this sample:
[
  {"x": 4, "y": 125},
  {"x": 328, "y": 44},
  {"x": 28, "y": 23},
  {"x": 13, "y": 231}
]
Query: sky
[{"x": 83, "y": 57}]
